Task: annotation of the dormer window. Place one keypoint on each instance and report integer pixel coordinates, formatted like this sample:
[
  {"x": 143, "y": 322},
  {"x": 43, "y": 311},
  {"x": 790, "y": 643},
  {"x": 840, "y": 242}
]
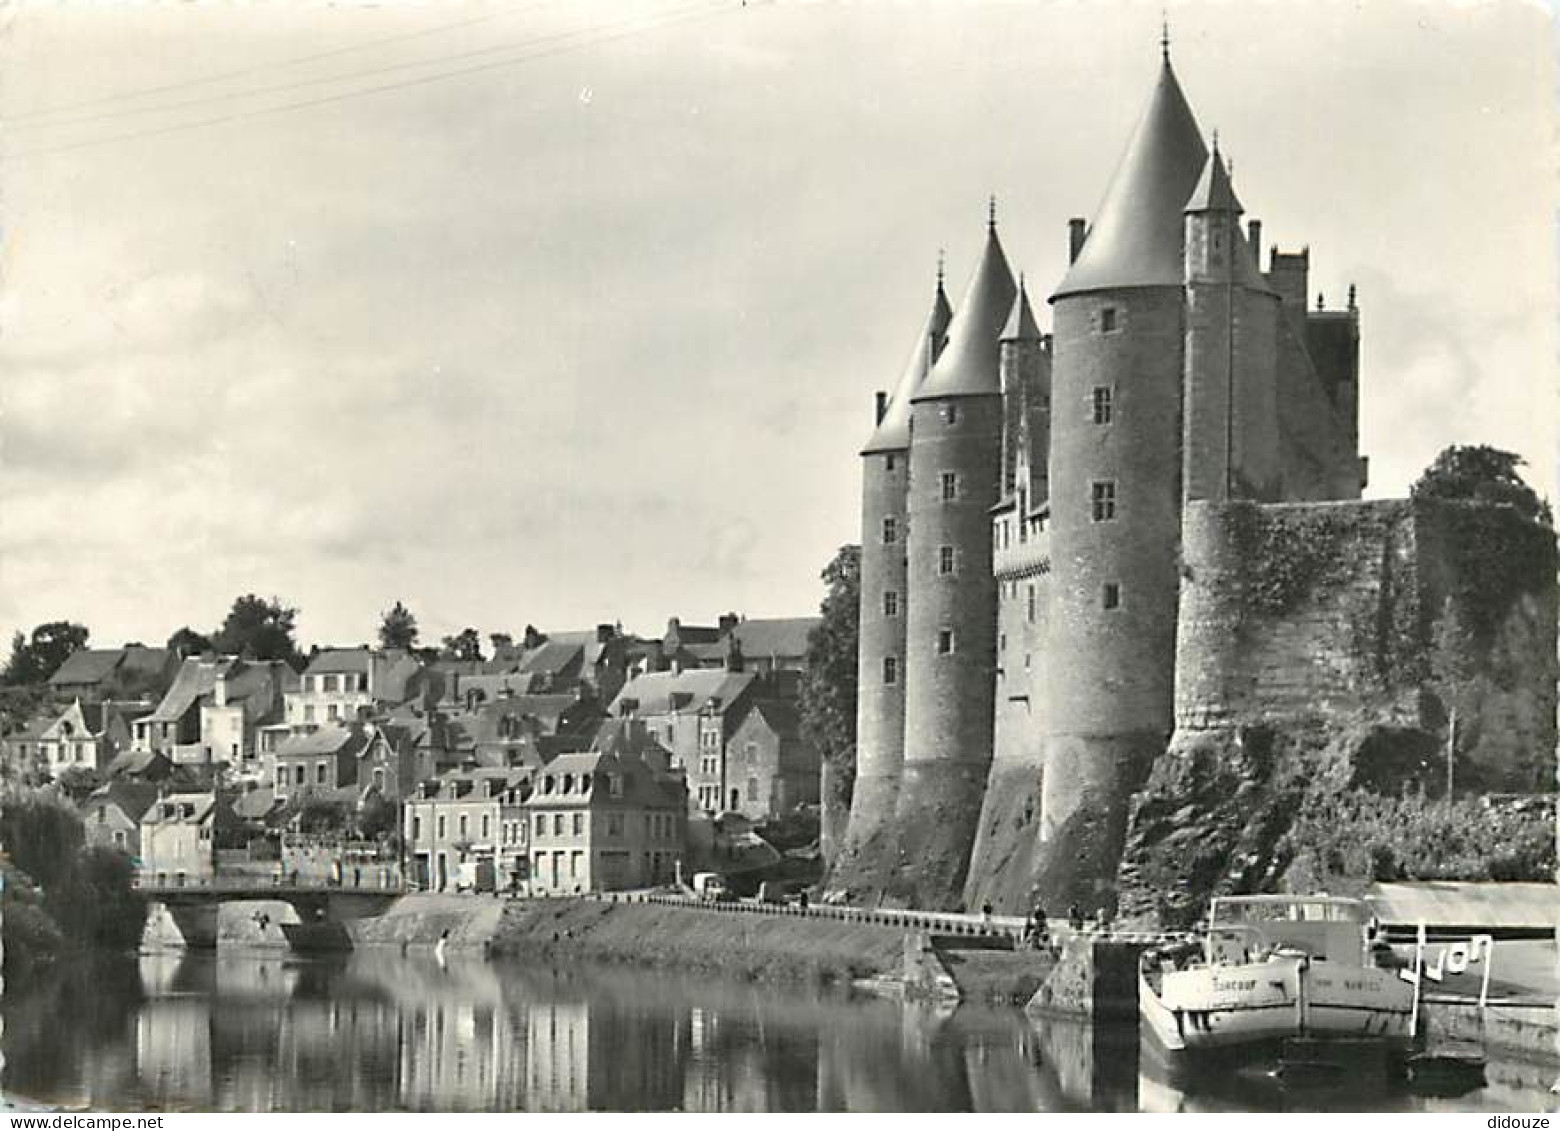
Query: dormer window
[
  {"x": 547, "y": 784},
  {"x": 568, "y": 783}
]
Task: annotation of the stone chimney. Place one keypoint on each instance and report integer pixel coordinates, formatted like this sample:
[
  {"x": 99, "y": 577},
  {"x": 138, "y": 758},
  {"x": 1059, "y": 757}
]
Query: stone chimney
[
  {"x": 1077, "y": 230},
  {"x": 728, "y": 622},
  {"x": 219, "y": 688}
]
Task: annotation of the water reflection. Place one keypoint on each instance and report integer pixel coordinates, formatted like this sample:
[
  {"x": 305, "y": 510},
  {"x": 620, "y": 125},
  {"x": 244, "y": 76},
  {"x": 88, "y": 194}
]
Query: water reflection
[{"x": 380, "y": 1031}]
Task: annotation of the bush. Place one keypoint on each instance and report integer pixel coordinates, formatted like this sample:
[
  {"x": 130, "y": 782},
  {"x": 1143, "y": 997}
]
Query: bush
[{"x": 1360, "y": 835}]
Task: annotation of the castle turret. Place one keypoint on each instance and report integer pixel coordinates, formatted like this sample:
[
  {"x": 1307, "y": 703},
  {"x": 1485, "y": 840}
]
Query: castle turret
[
  {"x": 1115, "y": 501},
  {"x": 1230, "y": 414},
  {"x": 870, "y": 845},
  {"x": 1003, "y": 858},
  {"x": 950, "y": 639}
]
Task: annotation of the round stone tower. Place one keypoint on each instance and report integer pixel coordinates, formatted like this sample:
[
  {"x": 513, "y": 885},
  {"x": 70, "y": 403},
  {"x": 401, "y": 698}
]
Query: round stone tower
[
  {"x": 950, "y": 639},
  {"x": 1115, "y": 502},
  {"x": 871, "y": 847}
]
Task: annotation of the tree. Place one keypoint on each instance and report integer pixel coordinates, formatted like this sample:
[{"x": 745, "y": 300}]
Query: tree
[
  {"x": 188, "y": 642},
  {"x": 35, "y": 660},
  {"x": 1482, "y": 473},
  {"x": 260, "y": 630},
  {"x": 464, "y": 645},
  {"x": 828, "y": 702},
  {"x": 398, "y": 628}
]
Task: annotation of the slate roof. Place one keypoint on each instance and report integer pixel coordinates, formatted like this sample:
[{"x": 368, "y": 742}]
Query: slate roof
[
  {"x": 336, "y": 661},
  {"x": 1136, "y": 239},
  {"x": 642, "y": 787},
  {"x": 775, "y": 636},
  {"x": 133, "y": 798},
  {"x": 968, "y": 365},
  {"x": 892, "y": 433},
  {"x": 134, "y": 762},
  {"x": 654, "y": 690},
  {"x": 88, "y": 665},
  {"x": 326, "y": 740}
]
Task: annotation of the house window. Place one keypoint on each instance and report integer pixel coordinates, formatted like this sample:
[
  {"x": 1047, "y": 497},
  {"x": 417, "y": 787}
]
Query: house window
[
  {"x": 333, "y": 711},
  {"x": 541, "y": 824},
  {"x": 1110, "y": 596},
  {"x": 614, "y": 824},
  {"x": 1109, "y": 323},
  {"x": 950, "y": 486},
  {"x": 944, "y": 641},
  {"x": 308, "y": 712},
  {"x": 321, "y": 772},
  {"x": 300, "y": 773},
  {"x": 890, "y": 603},
  {"x": 615, "y": 781},
  {"x": 440, "y": 827},
  {"x": 485, "y": 826},
  {"x": 890, "y": 531},
  {"x": 944, "y": 559},
  {"x": 1102, "y": 499},
  {"x": 951, "y": 412},
  {"x": 557, "y": 824},
  {"x": 1002, "y": 642},
  {"x": 752, "y": 791},
  {"x": 1101, "y": 404},
  {"x": 416, "y": 827},
  {"x": 890, "y": 669}
]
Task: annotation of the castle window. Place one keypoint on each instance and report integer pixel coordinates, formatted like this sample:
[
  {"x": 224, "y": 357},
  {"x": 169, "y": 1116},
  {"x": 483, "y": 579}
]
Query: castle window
[
  {"x": 888, "y": 462},
  {"x": 951, "y": 412},
  {"x": 1110, "y": 596},
  {"x": 944, "y": 641},
  {"x": 890, "y": 603},
  {"x": 944, "y": 559},
  {"x": 1102, "y": 404},
  {"x": 1102, "y": 498},
  {"x": 1030, "y": 600},
  {"x": 1002, "y": 642},
  {"x": 890, "y": 531},
  {"x": 1108, "y": 320},
  {"x": 890, "y": 669},
  {"x": 950, "y": 486}
]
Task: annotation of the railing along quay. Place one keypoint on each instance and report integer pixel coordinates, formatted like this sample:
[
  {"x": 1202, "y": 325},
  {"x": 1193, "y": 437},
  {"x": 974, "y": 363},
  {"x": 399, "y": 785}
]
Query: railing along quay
[{"x": 945, "y": 922}]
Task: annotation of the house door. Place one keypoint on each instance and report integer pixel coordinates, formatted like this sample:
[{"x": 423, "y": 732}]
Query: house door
[
  {"x": 736, "y": 801},
  {"x": 444, "y": 873}
]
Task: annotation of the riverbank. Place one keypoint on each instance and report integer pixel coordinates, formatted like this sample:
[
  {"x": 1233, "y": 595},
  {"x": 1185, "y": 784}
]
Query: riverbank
[{"x": 701, "y": 938}]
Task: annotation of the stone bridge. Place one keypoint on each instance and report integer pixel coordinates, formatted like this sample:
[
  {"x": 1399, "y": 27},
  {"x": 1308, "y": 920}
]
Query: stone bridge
[{"x": 191, "y": 915}]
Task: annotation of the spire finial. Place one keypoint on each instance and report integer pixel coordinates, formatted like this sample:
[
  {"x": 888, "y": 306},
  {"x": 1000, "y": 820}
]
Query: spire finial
[
  {"x": 1164, "y": 34},
  {"x": 991, "y": 213},
  {"x": 941, "y": 255}
]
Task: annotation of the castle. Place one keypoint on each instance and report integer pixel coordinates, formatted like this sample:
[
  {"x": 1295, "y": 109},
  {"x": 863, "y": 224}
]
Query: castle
[{"x": 1027, "y": 505}]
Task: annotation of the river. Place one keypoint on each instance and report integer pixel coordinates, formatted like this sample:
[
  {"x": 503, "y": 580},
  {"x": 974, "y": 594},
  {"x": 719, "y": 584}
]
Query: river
[{"x": 383, "y": 1032}]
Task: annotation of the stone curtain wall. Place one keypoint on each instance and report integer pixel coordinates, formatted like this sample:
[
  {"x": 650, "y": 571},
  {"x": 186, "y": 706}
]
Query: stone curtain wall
[{"x": 1323, "y": 648}]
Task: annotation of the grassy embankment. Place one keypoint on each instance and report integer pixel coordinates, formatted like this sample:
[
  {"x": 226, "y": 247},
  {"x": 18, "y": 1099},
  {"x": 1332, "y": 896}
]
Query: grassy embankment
[{"x": 732, "y": 942}]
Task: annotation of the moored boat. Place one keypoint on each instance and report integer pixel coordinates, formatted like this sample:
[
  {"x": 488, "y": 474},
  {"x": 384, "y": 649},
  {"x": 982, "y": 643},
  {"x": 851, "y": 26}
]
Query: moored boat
[{"x": 1271, "y": 968}]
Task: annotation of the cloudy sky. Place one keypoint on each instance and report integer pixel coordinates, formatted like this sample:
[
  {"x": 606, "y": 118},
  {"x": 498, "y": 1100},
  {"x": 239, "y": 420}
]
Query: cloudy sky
[{"x": 565, "y": 313}]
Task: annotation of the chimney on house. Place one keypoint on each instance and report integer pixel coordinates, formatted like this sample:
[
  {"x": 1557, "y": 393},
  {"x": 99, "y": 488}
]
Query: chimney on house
[
  {"x": 219, "y": 688},
  {"x": 533, "y": 638},
  {"x": 882, "y": 406},
  {"x": 604, "y": 633},
  {"x": 728, "y": 622},
  {"x": 733, "y": 653}
]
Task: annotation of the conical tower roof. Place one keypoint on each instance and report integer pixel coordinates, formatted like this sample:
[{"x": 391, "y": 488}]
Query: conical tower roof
[
  {"x": 893, "y": 431},
  {"x": 1214, "y": 192},
  {"x": 1136, "y": 238},
  {"x": 1021, "y": 325},
  {"x": 968, "y": 367}
]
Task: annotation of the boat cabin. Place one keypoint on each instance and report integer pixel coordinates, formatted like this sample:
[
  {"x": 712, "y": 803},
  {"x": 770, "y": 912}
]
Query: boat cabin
[{"x": 1249, "y": 928}]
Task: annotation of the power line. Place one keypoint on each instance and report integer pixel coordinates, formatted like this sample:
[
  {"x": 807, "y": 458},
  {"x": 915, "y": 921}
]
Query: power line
[
  {"x": 675, "y": 16},
  {"x": 295, "y": 61},
  {"x": 304, "y": 84}
]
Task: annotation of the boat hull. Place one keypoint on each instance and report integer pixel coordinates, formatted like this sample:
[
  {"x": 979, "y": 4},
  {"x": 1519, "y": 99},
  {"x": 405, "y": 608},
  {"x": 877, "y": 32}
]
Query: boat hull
[{"x": 1227, "y": 1006}]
